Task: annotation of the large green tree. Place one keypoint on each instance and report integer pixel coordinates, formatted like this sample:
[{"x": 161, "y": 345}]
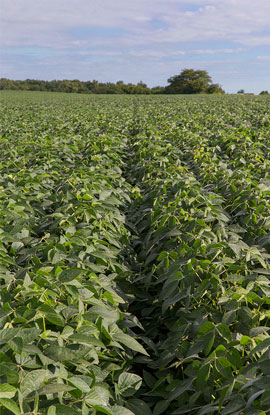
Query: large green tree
[{"x": 191, "y": 81}]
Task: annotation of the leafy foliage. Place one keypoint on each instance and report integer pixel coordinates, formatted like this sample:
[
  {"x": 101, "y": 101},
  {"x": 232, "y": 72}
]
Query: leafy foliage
[
  {"x": 203, "y": 247},
  {"x": 134, "y": 243},
  {"x": 188, "y": 82},
  {"x": 64, "y": 338},
  {"x": 191, "y": 81}
]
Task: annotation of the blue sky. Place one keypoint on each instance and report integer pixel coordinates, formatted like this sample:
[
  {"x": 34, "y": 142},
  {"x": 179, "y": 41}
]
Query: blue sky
[{"x": 133, "y": 40}]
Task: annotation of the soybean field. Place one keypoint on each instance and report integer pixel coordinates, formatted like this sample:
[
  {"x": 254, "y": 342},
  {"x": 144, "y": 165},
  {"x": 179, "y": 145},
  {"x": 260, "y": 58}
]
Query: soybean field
[{"x": 134, "y": 254}]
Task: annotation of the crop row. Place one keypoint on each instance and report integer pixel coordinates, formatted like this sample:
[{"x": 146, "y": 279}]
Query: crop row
[
  {"x": 203, "y": 249},
  {"x": 64, "y": 336}
]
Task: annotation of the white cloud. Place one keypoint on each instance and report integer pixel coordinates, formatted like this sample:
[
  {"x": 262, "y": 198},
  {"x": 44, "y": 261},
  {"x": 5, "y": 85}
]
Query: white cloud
[
  {"x": 215, "y": 51},
  {"x": 174, "y": 53},
  {"x": 158, "y": 37},
  {"x": 263, "y": 58},
  {"x": 48, "y": 23},
  {"x": 253, "y": 41}
]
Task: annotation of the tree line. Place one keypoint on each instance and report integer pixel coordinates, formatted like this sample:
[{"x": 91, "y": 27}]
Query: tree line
[{"x": 189, "y": 81}]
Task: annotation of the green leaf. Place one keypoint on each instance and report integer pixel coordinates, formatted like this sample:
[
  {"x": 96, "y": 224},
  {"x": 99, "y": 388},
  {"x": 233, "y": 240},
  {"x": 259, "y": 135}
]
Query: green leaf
[
  {"x": 51, "y": 410},
  {"x": 206, "y": 328},
  {"x": 128, "y": 383},
  {"x": 223, "y": 366},
  {"x": 7, "y": 334},
  {"x": 264, "y": 366},
  {"x": 162, "y": 255},
  {"x": 104, "y": 194},
  {"x": 29, "y": 334},
  {"x": 61, "y": 354},
  {"x": 265, "y": 399},
  {"x": 261, "y": 346},
  {"x": 98, "y": 395},
  {"x": 33, "y": 381},
  {"x": 7, "y": 391},
  {"x": 258, "y": 330},
  {"x": 208, "y": 342},
  {"x": 202, "y": 376},
  {"x": 85, "y": 338},
  {"x": 16, "y": 344},
  {"x": 235, "y": 405},
  {"x": 229, "y": 317},
  {"x": 161, "y": 407},
  {"x": 69, "y": 274},
  {"x": 138, "y": 407},
  {"x": 226, "y": 392},
  {"x": 209, "y": 409},
  {"x": 254, "y": 396},
  {"x": 245, "y": 340},
  {"x": 64, "y": 410},
  {"x": 9, "y": 371},
  {"x": 149, "y": 379},
  {"x": 130, "y": 342},
  {"x": 54, "y": 388},
  {"x": 245, "y": 316},
  {"x": 120, "y": 410},
  {"x": 103, "y": 409},
  {"x": 10, "y": 405},
  {"x": 79, "y": 384},
  {"x": 234, "y": 358},
  {"x": 51, "y": 315},
  {"x": 109, "y": 315},
  {"x": 183, "y": 386}
]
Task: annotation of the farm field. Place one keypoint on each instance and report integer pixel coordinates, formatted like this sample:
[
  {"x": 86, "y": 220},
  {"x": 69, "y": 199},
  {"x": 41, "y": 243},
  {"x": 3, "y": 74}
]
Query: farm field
[{"x": 134, "y": 254}]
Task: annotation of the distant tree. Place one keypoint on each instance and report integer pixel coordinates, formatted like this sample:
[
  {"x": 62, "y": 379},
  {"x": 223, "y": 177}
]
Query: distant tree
[
  {"x": 158, "y": 90},
  {"x": 215, "y": 89},
  {"x": 241, "y": 91},
  {"x": 141, "y": 88},
  {"x": 191, "y": 81},
  {"x": 94, "y": 86},
  {"x": 141, "y": 84},
  {"x": 129, "y": 88},
  {"x": 120, "y": 87},
  {"x": 264, "y": 93},
  {"x": 7, "y": 84}
]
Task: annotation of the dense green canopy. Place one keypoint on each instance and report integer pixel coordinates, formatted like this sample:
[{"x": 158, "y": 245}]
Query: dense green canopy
[
  {"x": 191, "y": 81},
  {"x": 188, "y": 82}
]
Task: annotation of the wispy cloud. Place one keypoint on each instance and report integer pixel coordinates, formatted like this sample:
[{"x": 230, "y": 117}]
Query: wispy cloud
[
  {"x": 141, "y": 39},
  {"x": 263, "y": 58}
]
